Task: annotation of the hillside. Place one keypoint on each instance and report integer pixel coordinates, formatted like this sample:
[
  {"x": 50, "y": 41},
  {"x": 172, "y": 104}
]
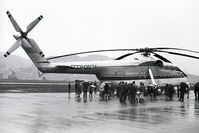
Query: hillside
[{"x": 13, "y": 61}]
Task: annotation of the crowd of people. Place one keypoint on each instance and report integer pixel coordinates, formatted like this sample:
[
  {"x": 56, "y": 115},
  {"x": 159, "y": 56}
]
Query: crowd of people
[
  {"x": 137, "y": 94},
  {"x": 85, "y": 87},
  {"x": 132, "y": 92}
]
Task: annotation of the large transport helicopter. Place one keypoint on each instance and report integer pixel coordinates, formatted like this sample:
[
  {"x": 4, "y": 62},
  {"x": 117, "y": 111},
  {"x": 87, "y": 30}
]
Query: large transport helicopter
[{"x": 146, "y": 69}]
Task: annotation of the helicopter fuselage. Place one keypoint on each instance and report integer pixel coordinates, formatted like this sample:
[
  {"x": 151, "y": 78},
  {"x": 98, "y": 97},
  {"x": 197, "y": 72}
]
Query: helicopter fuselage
[{"x": 116, "y": 71}]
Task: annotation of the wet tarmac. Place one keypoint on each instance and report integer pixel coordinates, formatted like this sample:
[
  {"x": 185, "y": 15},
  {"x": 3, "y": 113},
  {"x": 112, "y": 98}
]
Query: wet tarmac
[{"x": 56, "y": 113}]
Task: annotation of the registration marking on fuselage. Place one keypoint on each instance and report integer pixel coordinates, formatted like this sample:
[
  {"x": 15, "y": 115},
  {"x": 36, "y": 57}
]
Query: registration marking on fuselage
[{"x": 84, "y": 66}]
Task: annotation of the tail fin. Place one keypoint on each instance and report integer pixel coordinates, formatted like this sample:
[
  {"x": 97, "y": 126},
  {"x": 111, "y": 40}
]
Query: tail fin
[
  {"x": 28, "y": 44},
  {"x": 35, "y": 54}
]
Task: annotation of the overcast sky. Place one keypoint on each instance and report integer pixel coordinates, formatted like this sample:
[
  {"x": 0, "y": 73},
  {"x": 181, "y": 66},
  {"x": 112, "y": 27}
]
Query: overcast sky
[{"x": 72, "y": 26}]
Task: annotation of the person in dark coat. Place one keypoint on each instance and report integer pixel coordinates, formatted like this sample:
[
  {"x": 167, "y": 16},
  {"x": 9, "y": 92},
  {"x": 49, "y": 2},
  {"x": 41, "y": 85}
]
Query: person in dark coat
[
  {"x": 79, "y": 89},
  {"x": 95, "y": 89},
  {"x": 69, "y": 89},
  {"x": 183, "y": 87},
  {"x": 85, "y": 88},
  {"x": 121, "y": 91},
  {"x": 166, "y": 90},
  {"x": 178, "y": 91},
  {"x": 150, "y": 91},
  {"x": 196, "y": 91},
  {"x": 76, "y": 84},
  {"x": 132, "y": 91},
  {"x": 125, "y": 91},
  {"x": 106, "y": 91},
  {"x": 91, "y": 87},
  {"x": 170, "y": 91}
]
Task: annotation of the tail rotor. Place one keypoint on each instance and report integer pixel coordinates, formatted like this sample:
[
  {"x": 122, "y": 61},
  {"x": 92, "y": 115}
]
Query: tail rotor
[{"x": 23, "y": 35}]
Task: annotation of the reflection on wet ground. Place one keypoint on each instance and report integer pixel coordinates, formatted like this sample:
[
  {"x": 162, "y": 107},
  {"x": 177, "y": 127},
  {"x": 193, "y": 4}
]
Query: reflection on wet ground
[{"x": 55, "y": 112}]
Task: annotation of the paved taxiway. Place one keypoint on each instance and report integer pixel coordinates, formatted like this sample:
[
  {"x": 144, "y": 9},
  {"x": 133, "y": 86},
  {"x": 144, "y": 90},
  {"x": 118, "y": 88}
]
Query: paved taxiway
[{"x": 55, "y": 112}]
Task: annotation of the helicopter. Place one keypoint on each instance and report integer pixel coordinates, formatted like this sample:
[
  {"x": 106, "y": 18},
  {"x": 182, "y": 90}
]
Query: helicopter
[{"x": 157, "y": 71}]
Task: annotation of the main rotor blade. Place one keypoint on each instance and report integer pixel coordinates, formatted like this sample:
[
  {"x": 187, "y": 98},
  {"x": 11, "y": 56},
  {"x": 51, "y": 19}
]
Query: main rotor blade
[
  {"x": 175, "y": 53},
  {"x": 124, "y": 56},
  {"x": 176, "y": 49},
  {"x": 50, "y": 58},
  {"x": 13, "y": 48},
  {"x": 161, "y": 57},
  {"x": 33, "y": 24},
  {"x": 14, "y": 23}
]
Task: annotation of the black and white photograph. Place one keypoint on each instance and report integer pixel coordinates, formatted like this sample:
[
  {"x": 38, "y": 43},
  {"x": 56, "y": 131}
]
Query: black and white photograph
[{"x": 99, "y": 66}]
